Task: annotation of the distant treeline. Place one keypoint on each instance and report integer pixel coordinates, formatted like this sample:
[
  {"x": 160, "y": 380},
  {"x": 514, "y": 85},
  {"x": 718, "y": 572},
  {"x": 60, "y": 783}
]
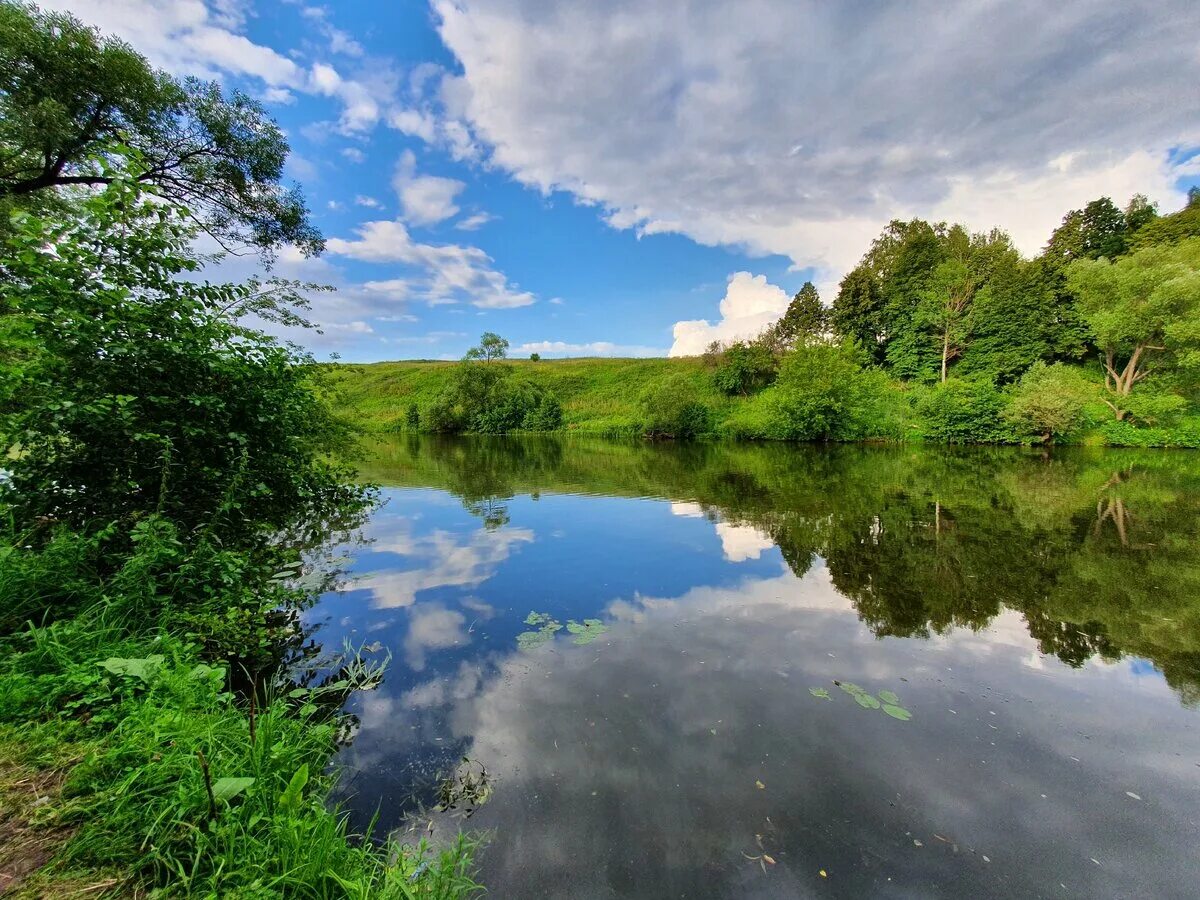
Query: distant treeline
[{"x": 938, "y": 334}]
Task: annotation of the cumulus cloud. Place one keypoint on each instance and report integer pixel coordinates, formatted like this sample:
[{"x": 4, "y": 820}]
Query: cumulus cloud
[
  {"x": 367, "y": 201},
  {"x": 750, "y": 304},
  {"x": 593, "y": 348},
  {"x": 449, "y": 273},
  {"x": 426, "y": 199},
  {"x": 801, "y": 128},
  {"x": 354, "y": 154}
]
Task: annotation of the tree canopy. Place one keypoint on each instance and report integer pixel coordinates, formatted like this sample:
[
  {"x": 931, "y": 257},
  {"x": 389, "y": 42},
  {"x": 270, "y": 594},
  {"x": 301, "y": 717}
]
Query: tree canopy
[{"x": 69, "y": 97}]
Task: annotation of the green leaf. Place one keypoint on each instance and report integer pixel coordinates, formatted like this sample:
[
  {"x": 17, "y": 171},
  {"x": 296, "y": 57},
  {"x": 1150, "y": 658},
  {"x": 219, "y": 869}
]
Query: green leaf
[
  {"x": 866, "y": 701},
  {"x": 851, "y": 688},
  {"x": 228, "y": 788},
  {"x": 290, "y": 799},
  {"x": 897, "y": 712},
  {"x": 889, "y": 697},
  {"x": 135, "y": 668},
  {"x": 820, "y": 692}
]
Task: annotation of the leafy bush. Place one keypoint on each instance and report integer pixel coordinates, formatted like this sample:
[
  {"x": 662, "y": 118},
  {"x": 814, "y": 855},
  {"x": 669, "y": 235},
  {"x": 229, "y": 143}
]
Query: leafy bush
[
  {"x": 963, "y": 412},
  {"x": 485, "y": 398},
  {"x": 1049, "y": 402},
  {"x": 671, "y": 409},
  {"x": 822, "y": 393},
  {"x": 744, "y": 368},
  {"x": 137, "y": 389}
]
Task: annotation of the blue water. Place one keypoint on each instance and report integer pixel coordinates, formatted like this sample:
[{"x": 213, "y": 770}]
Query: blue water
[{"x": 1034, "y": 617}]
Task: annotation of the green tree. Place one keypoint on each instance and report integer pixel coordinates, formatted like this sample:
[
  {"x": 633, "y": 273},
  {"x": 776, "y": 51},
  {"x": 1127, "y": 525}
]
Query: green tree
[
  {"x": 1144, "y": 310},
  {"x": 139, "y": 392},
  {"x": 1173, "y": 228},
  {"x": 1049, "y": 402},
  {"x": 805, "y": 320},
  {"x": 413, "y": 417},
  {"x": 745, "y": 368},
  {"x": 491, "y": 347},
  {"x": 69, "y": 96},
  {"x": 670, "y": 408},
  {"x": 823, "y": 393},
  {"x": 858, "y": 312},
  {"x": 535, "y": 357}
]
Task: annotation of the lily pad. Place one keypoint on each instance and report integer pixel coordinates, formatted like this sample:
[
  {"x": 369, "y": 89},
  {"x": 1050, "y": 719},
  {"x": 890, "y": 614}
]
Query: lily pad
[
  {"x": 587, "y": 632},
  {"x": 850, "y": 688},
  {"x": 531, "y": 640},
  {"x": 889, "y": 697},
  {"x": 821, "y": 693},
  {"x": 897, "y": 712},
  {"x": 866, "y": 701}
]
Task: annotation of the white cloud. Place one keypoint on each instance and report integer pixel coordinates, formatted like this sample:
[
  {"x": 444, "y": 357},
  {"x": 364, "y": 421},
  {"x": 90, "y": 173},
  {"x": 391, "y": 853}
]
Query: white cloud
[
  {"x": 593, "y": 348},
  {"x": 368, "y": 202},
  {"x": 336, "y": 40},
  {"x": 353, "y": 154},
  {"x": 750, "y": 304},
  {"x": 475, "y": 222},
  {"x": 450, "y": 273},
  {"x": 190, "y": 37},
  {"x": 427, "y": 199},
  {"x": 742, "y": 542},
  {"x": 801, "y": 127}
]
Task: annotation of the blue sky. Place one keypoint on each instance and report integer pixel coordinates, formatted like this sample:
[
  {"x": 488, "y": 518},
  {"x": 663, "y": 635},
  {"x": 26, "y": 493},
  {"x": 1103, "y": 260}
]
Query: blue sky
[{"x": 620, "y": 178}]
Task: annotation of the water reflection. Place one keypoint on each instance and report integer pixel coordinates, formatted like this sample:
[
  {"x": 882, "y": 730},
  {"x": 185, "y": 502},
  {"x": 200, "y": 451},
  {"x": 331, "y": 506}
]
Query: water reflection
[{"x": 1038, "y": 615}]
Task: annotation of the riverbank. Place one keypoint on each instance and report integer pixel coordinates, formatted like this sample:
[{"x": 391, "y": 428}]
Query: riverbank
[
  {"x": 185, "y": 749},
  {"x": 603, "y": 397}
]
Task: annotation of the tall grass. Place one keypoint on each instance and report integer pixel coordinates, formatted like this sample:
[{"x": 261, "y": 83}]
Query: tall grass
[{"x": 175, "y": 781}]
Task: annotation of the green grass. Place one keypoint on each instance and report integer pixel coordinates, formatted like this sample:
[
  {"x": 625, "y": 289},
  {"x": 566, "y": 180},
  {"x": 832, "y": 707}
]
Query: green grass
[
  {"x": 599, "y": 396},
  {"x": 130, "y": 765}
]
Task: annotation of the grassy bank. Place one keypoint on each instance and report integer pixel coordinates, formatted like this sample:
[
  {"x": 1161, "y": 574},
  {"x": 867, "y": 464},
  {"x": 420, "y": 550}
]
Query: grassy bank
[
  {"x": 598, "y": 396},
  {"x": 604, "y": 397}
]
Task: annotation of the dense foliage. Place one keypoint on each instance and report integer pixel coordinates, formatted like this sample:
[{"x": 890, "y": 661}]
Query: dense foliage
[
  {"x": 484, "y": 397},
  {"x": 167, "y": 486},
  {"x": 975, "y": 344},
  {"x": 69, "y": 97}
]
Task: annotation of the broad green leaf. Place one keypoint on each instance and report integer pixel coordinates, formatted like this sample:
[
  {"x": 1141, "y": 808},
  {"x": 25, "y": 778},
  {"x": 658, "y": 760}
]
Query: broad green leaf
[
  {"x": 135, "y": 668},
  {"x": 897, "y": 712},
  {"x": 850, "y": 688},
  {"x": 228, "y": 788},
  {"x": 889, "y": 697},
  {"x": 866, "y": 701},
  {"x": 289, "y": 800},
  {"x": 820, "y": 692}
]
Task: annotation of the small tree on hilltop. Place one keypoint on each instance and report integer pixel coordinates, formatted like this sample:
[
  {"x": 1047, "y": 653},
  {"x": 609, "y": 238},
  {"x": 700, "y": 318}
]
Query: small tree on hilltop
[{"x": 491, "y": 346}]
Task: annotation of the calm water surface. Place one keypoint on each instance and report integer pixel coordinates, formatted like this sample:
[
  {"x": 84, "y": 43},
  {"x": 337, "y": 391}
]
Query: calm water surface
[{"x": 717, "y": 728}]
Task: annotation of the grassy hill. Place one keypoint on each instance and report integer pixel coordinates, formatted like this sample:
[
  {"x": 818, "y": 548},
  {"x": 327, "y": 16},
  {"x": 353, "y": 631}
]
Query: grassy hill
[{"x": 599, "y": 396}]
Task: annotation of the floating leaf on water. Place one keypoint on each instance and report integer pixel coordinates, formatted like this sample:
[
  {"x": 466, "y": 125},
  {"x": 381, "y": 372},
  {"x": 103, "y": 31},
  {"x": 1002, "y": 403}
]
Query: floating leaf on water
[
  {"x": 587, "y": 632},
  {"x": 897, "y": 712},
  {"x": 889, "y": 697},
  {"x": 866, "y": 701},
  {"x": 850, "y": 688},
  {"x": 531, "y": 640},
  {"x": 821, "y": 693}
]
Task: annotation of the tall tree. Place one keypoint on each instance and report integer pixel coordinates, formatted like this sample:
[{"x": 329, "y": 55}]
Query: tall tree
[
  {"x": 68, "y": 96},
  {"x": 1173, "y": 228},
  {"x": 857, "y": 312},
  {"x": 806, "y": 318},
  {"x": 1144, "y": 310}
]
